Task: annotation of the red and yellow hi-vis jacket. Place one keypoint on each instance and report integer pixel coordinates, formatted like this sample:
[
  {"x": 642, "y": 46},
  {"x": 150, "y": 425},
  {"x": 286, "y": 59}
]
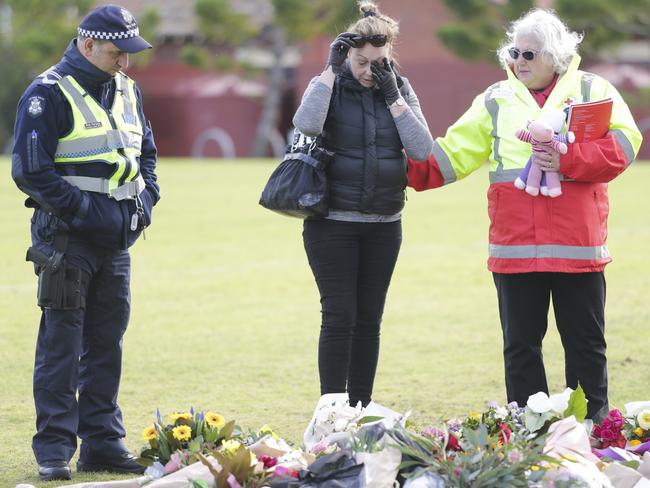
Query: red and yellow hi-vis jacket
[{"x": 527, "y": 234}]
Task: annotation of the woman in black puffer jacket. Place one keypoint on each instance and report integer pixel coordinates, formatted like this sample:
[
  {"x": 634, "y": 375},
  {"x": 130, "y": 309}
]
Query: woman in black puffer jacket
[{"x": 367, "y": 115}]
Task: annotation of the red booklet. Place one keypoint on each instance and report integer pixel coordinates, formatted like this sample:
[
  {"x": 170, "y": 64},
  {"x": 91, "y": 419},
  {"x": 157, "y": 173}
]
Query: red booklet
[{"x": 589, "y": 121}]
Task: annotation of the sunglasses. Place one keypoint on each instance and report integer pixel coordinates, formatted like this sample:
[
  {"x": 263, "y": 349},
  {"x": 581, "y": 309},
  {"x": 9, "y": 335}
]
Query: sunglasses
[
  {"x": 528, "y": 55},
  {"x": 378, "y": 40}
]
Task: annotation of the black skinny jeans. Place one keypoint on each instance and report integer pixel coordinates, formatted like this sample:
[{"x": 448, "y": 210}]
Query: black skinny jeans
[
  {"x": 579, "y": 306},
  {"x": 353, "y": 263}
]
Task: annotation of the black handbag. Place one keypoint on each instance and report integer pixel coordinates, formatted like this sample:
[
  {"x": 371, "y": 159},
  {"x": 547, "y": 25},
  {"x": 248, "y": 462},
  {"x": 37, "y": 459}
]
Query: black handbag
[{"x": 298, "y": 186}]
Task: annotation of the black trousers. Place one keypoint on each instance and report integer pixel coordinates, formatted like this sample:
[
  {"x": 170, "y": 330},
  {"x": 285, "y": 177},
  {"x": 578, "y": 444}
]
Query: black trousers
[
  {"x": 579, "y": 306},
  {"x": 353, "y": 263},
  {"x": 78, "y": 360}
]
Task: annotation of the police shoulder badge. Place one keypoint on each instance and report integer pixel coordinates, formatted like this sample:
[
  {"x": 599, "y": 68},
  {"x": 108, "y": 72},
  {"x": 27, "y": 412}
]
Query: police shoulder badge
[{"x": 36, "y": 106}]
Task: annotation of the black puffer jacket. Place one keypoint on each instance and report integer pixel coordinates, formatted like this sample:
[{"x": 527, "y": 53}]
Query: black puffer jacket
[{"x": 368, "y": 173}]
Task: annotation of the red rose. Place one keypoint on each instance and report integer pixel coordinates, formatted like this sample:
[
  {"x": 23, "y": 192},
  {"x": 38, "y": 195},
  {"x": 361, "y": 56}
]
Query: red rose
[
  {"x": 505, "y": 433},
  {"x": 452, "y": 443},
  {"x": 596, "y": 431},
  {"x": 268, "y": 461}
]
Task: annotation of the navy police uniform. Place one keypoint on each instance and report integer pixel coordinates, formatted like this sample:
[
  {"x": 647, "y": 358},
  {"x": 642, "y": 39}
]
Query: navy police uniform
[{"x": 86, "y": 233}]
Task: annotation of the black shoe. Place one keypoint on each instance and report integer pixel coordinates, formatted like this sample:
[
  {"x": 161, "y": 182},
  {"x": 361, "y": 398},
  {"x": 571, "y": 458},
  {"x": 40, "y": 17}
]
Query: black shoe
[
  {"x": 54, "y": 470},
  {"x": 120, "y": 463}
]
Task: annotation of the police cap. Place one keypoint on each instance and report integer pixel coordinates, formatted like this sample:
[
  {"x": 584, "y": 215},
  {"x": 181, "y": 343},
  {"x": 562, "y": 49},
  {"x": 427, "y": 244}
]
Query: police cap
[{"x": 116, "y": 24}]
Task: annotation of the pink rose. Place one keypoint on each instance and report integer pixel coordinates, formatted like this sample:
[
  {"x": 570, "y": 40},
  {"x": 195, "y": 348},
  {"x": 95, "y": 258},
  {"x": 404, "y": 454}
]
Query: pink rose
[
  {"x": 615, "y": 414},
  {"x": 608, "y": 434}
]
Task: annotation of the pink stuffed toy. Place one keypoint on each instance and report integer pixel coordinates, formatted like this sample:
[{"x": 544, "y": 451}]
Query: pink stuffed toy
[{"x": 542, "y": 133}]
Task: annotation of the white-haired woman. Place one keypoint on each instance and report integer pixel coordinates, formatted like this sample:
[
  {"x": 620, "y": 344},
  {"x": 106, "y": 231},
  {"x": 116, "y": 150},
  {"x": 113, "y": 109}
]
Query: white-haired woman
[{"x": 542, "y": 248}]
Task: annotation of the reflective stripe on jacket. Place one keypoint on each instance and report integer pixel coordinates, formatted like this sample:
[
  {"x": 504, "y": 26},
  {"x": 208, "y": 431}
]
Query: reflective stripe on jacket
[
  {"x": 527, "y": 234},
  {"x": 113, "y": 137}
]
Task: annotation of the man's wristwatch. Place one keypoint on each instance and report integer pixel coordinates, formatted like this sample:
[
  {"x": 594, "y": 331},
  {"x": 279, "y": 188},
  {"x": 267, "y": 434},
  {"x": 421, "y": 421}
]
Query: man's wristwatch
[{"x": 400, "y": 102}]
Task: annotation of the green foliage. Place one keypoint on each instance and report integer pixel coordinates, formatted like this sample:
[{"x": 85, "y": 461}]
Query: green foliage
[
  {"x": 219, "y": 22},
  {"x": 606, "y": 23},
  {"x": 39, "y": 32},
  {"x": 577, "y": 404},
  {"x": 196, "y": 56},
  {"x": 484, "y": 461},
  {"x": 480, "y": 26},
  {"x": 148, "y": 21},
  {"x": 336, "y": 15},
  {"x": 296, "y": 17}
]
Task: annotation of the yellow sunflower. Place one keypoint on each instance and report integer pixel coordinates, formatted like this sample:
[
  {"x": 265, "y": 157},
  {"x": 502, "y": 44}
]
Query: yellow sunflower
[
  {"x": 178, "y": 416},
  {"x": 182, "y": 433},
  {"x": 149, "y": 433},
  {"x": 215, "y": 420}
]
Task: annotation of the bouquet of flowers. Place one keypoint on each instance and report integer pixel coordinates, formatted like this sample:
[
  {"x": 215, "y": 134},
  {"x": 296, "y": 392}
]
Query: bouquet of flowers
[
  {"x": 610, "y": 431},
  {"x": 637, "y": 427},
  {"x": 630, "y": 432},
  {"x": 179, "y": 441},
  {"x": 335, "y": 421},
  {"x": 238, "y": 466},
  {"x": 473, "y": 453}
]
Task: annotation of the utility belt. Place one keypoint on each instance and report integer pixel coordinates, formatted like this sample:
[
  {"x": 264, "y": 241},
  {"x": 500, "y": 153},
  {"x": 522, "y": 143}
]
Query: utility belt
[
  {"x": 60, "y": 286},
  {"x": 126, "y": 191}
]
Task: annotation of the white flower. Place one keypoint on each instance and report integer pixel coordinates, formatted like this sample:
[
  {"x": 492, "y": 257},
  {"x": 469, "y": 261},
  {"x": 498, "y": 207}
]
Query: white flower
[
  {"x": 633, "y": 408},
  {"x": 644, "y": 419},
  {"x": 542, "y": 403},
  {"x": 340, "y": 425},
  {"x": 539, "y": 402},
  {"x": 500, "y": 413}
]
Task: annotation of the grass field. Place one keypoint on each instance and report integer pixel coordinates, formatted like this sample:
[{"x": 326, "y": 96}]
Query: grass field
[{"x": 225, "y": 311}]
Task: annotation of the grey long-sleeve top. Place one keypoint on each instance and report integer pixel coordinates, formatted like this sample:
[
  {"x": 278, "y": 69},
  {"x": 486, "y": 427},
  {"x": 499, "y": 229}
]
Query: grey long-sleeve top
[{"x": 411, "y": 125}]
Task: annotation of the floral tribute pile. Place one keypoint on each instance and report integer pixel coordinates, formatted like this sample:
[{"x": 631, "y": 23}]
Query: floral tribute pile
[{"x": 548, "y": 443}]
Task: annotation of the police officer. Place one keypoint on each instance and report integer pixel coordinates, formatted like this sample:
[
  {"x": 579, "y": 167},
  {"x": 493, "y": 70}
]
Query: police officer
[{"x": 86, "y": 158}]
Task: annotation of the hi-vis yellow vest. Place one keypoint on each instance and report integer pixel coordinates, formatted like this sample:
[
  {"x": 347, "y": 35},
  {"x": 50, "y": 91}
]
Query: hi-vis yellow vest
[
  {"x": 487, "y": 130},
  {"x": 110, "y": 136}
]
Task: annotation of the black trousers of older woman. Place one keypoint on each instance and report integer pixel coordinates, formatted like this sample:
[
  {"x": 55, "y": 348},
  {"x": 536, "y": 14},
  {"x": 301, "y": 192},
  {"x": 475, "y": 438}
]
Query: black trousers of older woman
[
  {"x": 579, "y": 307},
  {"x": 353, "y": 264}
]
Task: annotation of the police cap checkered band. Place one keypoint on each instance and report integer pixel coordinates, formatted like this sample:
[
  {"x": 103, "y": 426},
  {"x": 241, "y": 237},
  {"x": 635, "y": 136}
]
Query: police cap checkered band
[
  {"x": 108, "y": 35},
  {"x": 116, "y": 24}
]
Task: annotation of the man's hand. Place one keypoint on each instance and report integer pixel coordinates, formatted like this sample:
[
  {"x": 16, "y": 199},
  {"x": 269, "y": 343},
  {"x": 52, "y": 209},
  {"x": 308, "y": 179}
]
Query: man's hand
[
  {"x": 339, "y": 50},
  {"x": 386, "y": 80}
]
